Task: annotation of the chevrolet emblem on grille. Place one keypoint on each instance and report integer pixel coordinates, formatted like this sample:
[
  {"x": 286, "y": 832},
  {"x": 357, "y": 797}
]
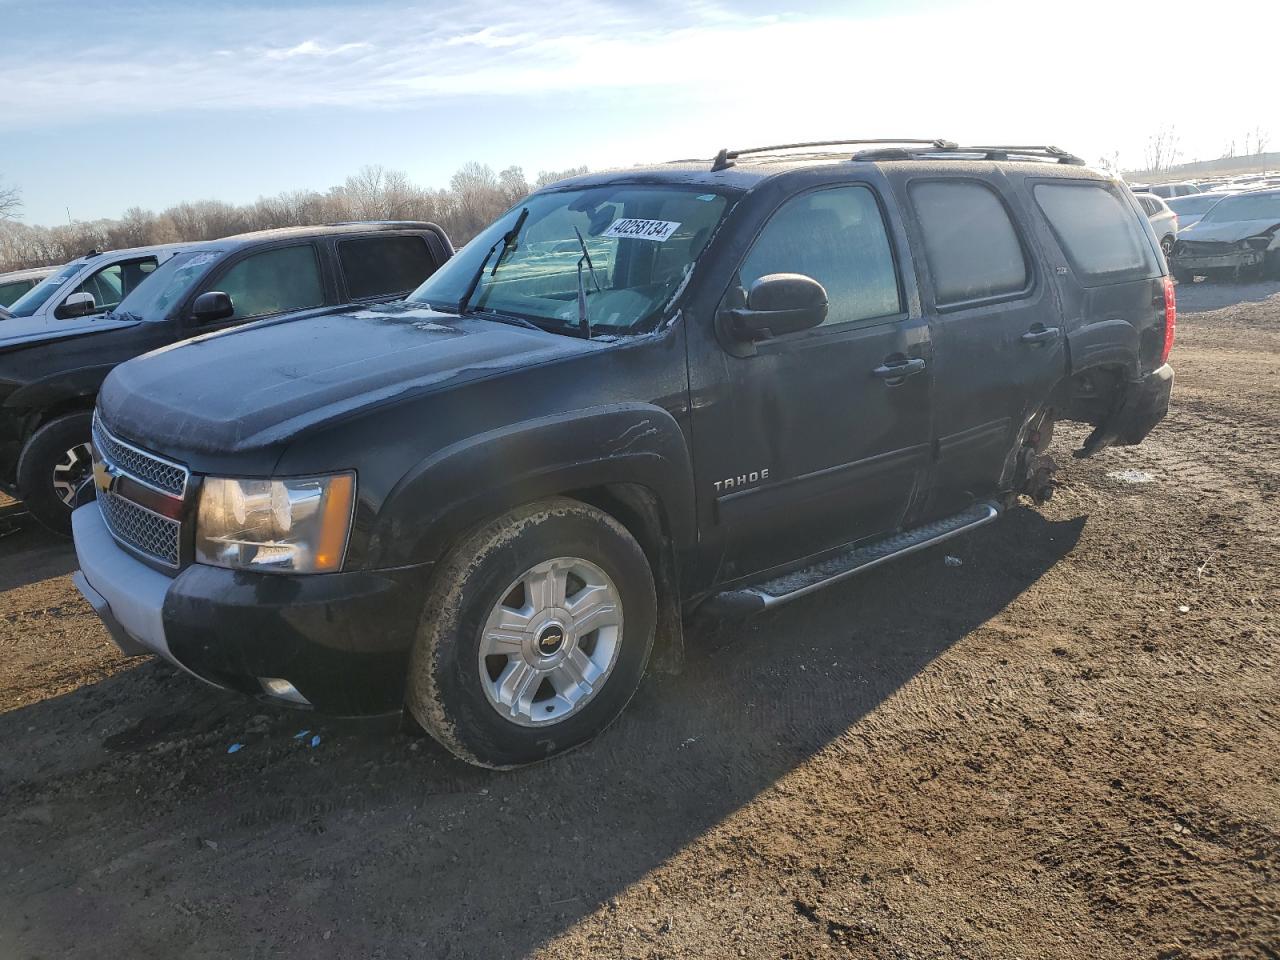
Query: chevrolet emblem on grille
[{"x": 105, "y": 475}]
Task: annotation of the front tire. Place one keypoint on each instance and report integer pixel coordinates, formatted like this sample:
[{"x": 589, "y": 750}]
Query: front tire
[
  {"x": 55, "y": 471},
  {"x": 534, "y": 636}
]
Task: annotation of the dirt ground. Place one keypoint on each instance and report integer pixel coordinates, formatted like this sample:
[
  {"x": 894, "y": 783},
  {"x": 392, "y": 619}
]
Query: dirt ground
[{"x": 1065, "y": 747}]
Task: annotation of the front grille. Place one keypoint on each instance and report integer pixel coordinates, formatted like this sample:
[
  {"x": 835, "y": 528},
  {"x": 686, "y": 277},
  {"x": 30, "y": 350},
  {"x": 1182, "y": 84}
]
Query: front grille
[
  {"x": 137, "y": 527},
  {"x": 147, "y": 467},
  {"x": 156, "y": 536},
  {"x": 1192, "y": 248}
]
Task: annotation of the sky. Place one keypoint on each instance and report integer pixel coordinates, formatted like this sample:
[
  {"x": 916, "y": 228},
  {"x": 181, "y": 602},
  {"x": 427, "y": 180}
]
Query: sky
[{"x": 106, "y": 105}]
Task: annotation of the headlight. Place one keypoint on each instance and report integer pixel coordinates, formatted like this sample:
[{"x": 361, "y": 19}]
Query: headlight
[{"x": 287, "y": 526}]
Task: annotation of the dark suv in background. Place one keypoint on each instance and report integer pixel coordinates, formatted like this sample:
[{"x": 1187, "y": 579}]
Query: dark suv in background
[
  {"x": 50, "y": 373},
  {"x": 716, "y": 385}
]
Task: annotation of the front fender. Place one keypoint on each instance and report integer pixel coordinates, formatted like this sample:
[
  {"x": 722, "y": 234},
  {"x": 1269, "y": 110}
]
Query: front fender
[
  {"x": 485, "y": 475},
  {"x": 82, "y": 383}
]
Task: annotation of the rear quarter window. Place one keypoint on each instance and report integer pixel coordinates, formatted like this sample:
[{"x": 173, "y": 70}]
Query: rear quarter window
[
  {"x": 973, "y": 250},
  {"x": 382, "y": 266},
  {"x": 1098, "y": 231}
]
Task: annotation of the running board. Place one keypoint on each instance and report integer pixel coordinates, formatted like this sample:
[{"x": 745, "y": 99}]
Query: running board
[{"x": 789, "y": 586}]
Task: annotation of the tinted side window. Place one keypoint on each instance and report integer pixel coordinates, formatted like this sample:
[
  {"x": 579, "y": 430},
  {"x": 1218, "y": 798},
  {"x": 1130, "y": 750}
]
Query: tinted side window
[
  {"x": 379, "y": 266},
  {"x": 836, "y": 236},
  {"x": 1098, "y": 232},
  {"x": 970, "y": 243},
  {"x": 274, "y": 281},
  {"x": 10, "y": 292}
]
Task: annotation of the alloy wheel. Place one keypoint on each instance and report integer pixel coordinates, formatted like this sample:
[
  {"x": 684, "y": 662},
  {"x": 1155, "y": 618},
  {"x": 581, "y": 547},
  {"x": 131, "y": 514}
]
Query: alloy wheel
[{"x": 551, "y": 641}]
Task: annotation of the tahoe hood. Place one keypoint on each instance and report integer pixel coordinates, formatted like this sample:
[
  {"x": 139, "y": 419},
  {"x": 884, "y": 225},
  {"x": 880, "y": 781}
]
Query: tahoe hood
[{"x": 264, "y": 384}]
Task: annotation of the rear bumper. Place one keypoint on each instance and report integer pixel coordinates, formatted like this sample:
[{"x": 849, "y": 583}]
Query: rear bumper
[
  {"x": 342, "y": 640},
  {"x": 1145, "y": 403}
]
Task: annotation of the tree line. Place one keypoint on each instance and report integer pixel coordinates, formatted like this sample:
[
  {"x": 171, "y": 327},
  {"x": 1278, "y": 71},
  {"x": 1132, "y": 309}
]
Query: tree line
[{"x": 475, "y": 196}]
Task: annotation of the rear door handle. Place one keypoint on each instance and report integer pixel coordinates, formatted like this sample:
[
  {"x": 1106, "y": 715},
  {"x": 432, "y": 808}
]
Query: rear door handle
[
  {"x": 1039, "y": 334},
  {"x": 899, "y": 369}
]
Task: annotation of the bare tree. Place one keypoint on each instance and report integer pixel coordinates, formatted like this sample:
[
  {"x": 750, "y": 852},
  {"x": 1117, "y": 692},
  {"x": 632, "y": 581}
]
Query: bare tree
[
  {"x": 10, "y": 203},
  {"x": 475, "y": 196},
  {"x": 1162, "y": 149}
]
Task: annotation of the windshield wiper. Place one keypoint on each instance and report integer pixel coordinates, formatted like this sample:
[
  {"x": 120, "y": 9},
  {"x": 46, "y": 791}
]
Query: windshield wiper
[
  {"x": 508, "y": 241},
  {"x": 584, "y": 321},
  {"x": 510, "y": 318}
]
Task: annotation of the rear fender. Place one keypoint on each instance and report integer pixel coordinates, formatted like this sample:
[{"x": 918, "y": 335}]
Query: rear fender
[{"x": 1108, "y": 343}]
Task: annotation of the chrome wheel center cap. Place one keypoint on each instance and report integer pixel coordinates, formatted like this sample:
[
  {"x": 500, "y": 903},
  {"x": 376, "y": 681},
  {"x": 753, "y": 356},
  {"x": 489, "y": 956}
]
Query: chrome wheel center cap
[{"x": 551, "y": 639}]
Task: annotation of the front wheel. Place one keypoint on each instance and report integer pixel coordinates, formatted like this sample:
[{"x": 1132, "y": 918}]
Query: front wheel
[
  {"x": 55, "y": 471},
  {"x": 1166, "y": 246},
  {"x": 534, "y": 636}
]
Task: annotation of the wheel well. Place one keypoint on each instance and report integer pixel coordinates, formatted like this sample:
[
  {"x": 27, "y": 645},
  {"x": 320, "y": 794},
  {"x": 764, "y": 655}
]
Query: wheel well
[
  {"x": 640, "y": 510},
  {"x": 1089, "y": 395},
  {"x": 38, "y": 418}
]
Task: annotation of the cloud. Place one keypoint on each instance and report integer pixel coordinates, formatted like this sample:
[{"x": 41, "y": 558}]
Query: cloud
[
  {"x": 314, "y": 48},
  {"x": 988, "y": 69},
  {"x": 489, "y": 37}
]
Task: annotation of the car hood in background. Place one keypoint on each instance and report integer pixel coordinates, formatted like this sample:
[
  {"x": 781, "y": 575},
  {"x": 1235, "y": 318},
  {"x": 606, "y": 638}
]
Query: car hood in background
[
  {"x": 1230, "y": 231},
  {"x": 21, "y": 331},
  {"x": 261, "y": 385}
]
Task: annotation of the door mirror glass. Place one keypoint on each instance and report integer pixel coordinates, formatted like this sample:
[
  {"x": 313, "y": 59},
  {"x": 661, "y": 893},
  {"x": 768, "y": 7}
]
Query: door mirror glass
[
  {"x": 778, "y": 304},
  {"x": 79, "y": 304},
  {"x": 212, "y": 305}
]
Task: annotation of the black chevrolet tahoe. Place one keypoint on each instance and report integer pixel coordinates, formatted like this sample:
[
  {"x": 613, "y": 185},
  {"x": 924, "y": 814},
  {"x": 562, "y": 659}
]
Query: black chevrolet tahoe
[
  {"x": 719, "y": 384},
  {"x": 126, "y": 303}
]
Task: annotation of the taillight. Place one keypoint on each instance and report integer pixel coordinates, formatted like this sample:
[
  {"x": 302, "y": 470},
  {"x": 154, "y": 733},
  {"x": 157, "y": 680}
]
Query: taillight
[
  {"x": 1170, "y": 319},
  {"x": 1175, "y": 221}
]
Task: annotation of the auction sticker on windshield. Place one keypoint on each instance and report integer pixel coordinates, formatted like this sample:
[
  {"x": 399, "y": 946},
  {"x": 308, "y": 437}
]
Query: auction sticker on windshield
[{"x": 657, "y": 230}]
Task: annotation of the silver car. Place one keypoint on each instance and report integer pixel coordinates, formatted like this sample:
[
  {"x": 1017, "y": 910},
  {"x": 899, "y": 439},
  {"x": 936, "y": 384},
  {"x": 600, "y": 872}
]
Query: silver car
[
  {"x": 1163, "y": 220},
  {"x": 1191, "y": 208},
  {"x": 17, "y": 282},
  {"x": 1167, "y": 190}
]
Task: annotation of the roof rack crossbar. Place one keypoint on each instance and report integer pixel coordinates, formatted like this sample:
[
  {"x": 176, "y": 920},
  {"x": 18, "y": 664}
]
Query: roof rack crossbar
[{"x": 724, "y": 159}]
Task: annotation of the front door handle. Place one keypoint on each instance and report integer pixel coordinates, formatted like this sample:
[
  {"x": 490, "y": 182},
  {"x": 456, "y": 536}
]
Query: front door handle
[
  {"x": 899, "y": 369},
  {"x": 1039, "y": 334}
]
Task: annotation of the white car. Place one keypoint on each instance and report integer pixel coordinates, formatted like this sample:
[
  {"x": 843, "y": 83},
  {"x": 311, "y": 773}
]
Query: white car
[
  {"x": 63, "y": 303},
  {"x": 1164, "y": 221}
]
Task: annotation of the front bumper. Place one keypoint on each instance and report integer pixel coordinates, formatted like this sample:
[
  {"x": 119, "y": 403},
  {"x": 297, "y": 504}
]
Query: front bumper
[
  {"x": 1145, "y": 403},
  {"x": 342, "y": 639},
  {"x": 1222, "y": 261}
]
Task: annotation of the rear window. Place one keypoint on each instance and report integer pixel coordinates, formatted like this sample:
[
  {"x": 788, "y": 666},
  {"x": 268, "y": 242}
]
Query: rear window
[
  {"x": 1098, "y": 231},
  {"x": 381, "y": 266},
  {"x": 970, "y": 243}
]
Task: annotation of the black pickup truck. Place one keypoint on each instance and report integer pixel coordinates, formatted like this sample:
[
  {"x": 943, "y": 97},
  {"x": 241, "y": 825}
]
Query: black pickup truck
[
  {"x": 116, "y": 306},
  {"x": 717, "y": 384}
]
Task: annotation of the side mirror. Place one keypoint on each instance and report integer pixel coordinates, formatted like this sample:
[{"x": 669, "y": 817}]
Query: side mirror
[
  {"x": 77, "y": 305},
  {"x": 777, "y": 304},
  {"x": 212, "y": 305}
]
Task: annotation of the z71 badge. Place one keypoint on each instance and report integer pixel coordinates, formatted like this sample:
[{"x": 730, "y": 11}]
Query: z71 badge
[{"x": 742, "y": 480}]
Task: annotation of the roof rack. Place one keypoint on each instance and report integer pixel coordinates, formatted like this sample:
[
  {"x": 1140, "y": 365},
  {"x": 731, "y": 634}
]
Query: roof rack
[
  {"x": 724, "y": 159},
  {"x": 908, "y": 149}
]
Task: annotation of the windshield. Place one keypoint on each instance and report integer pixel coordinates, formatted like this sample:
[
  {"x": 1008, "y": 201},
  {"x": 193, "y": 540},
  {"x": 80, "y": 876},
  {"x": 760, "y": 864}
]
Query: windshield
[
  {"x": 641, "y": 240},
  {"x": 1265, "y": 207},
  {"x": 1196, "y": 203},
  {"x": 157, "y": 295},
  {"x": 35, "y": 298}
]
